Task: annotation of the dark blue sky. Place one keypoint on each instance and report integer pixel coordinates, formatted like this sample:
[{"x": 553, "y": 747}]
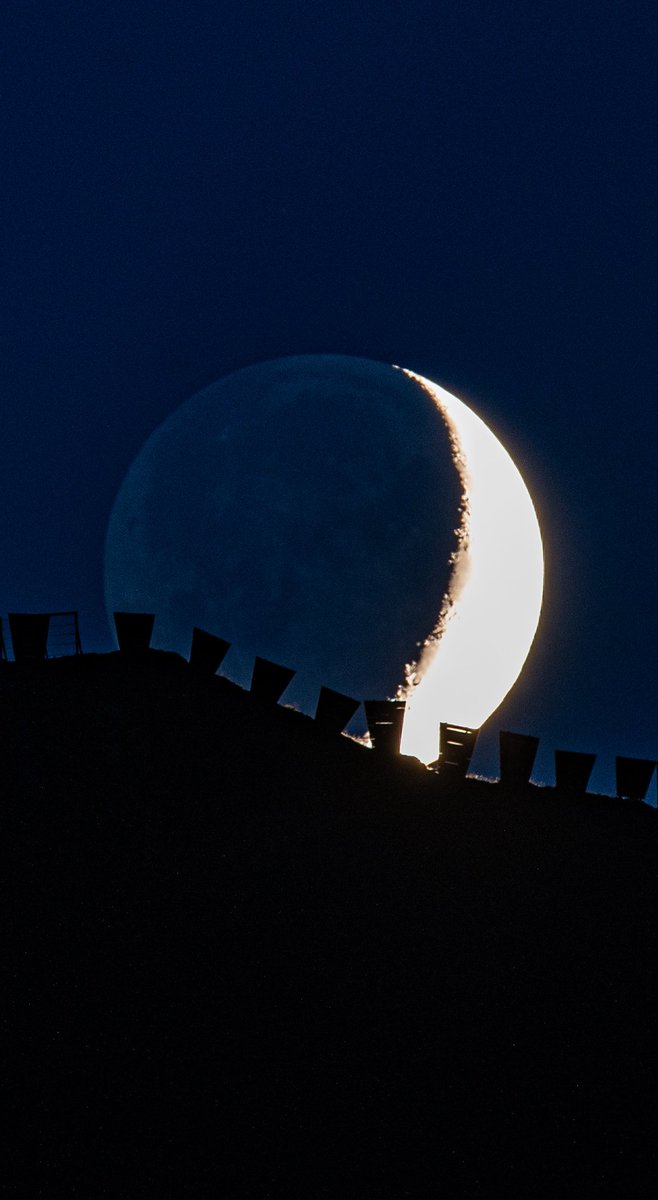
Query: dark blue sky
[{"x": 463, "y": 188}]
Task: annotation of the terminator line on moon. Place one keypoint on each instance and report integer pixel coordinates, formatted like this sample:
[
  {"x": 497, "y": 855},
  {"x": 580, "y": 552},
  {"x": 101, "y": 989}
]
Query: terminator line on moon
[{"x": 350, "y": 519}]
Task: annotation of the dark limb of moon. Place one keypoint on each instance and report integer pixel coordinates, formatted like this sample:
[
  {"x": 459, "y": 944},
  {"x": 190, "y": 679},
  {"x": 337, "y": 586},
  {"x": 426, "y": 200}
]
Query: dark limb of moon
[{"x": 305, "y": 509}]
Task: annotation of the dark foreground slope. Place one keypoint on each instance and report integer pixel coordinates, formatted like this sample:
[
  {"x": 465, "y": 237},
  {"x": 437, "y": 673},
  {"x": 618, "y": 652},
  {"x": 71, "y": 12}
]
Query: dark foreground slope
[{"x": 250, "y": 960}]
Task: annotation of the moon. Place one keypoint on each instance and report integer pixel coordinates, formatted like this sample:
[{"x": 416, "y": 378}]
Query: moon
[
  {"x": 305, "y": 510},
  {"x": 347, "y": 518},
  {"x": 491, "y": 611}
]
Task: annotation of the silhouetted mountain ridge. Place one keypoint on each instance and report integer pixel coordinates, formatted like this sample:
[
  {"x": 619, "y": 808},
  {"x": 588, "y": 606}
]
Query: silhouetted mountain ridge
[{"x": 252, "y": 958}]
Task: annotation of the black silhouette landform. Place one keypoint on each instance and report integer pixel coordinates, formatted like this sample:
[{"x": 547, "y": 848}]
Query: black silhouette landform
[{"x": 250, "y": 957}]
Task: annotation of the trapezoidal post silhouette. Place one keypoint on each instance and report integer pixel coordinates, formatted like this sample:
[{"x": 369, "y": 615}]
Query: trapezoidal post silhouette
[
  {"x": 633, "y": 776},
  {"x": 456, "y": 746},
  {"x": 334, "y": 710},
  {"x": 134, "y": 631},
  {"x": 517, "y": 757},
  {"x": 29, "y": 636},
  {"x": 384, "y": 719},
  {"x": 269, "y": 680},
  {"x": 572, "y": 771},
  {"x": 207, "y": 652}
]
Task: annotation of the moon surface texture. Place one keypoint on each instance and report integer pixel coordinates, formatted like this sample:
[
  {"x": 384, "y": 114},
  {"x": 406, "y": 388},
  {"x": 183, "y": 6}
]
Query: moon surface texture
[
  {"x": 305, "y": 510},
  {"x": 345, "y": 518},
  {"x": 490, "y": 614}
]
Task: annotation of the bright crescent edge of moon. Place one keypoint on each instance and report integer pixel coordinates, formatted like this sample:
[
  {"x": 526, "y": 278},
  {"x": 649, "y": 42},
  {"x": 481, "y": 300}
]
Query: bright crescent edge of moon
[{"x": 491, "y": 611}]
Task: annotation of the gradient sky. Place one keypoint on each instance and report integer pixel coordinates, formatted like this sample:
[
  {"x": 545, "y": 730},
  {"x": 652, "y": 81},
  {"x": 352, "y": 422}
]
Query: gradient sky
[{"x": 462, "y": 188}]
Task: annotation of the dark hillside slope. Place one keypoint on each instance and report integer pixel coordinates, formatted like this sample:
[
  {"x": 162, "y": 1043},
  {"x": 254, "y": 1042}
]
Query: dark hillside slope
[{"x": 250, "y": 959}]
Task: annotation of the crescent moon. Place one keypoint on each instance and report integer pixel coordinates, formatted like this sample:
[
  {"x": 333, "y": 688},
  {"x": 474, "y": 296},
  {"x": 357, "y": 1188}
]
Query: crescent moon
[{"x": 490, "y": 613}]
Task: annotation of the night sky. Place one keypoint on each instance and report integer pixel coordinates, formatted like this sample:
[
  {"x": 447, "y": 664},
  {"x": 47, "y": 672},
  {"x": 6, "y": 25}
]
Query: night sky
[{"x": 462, "y": 188}]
